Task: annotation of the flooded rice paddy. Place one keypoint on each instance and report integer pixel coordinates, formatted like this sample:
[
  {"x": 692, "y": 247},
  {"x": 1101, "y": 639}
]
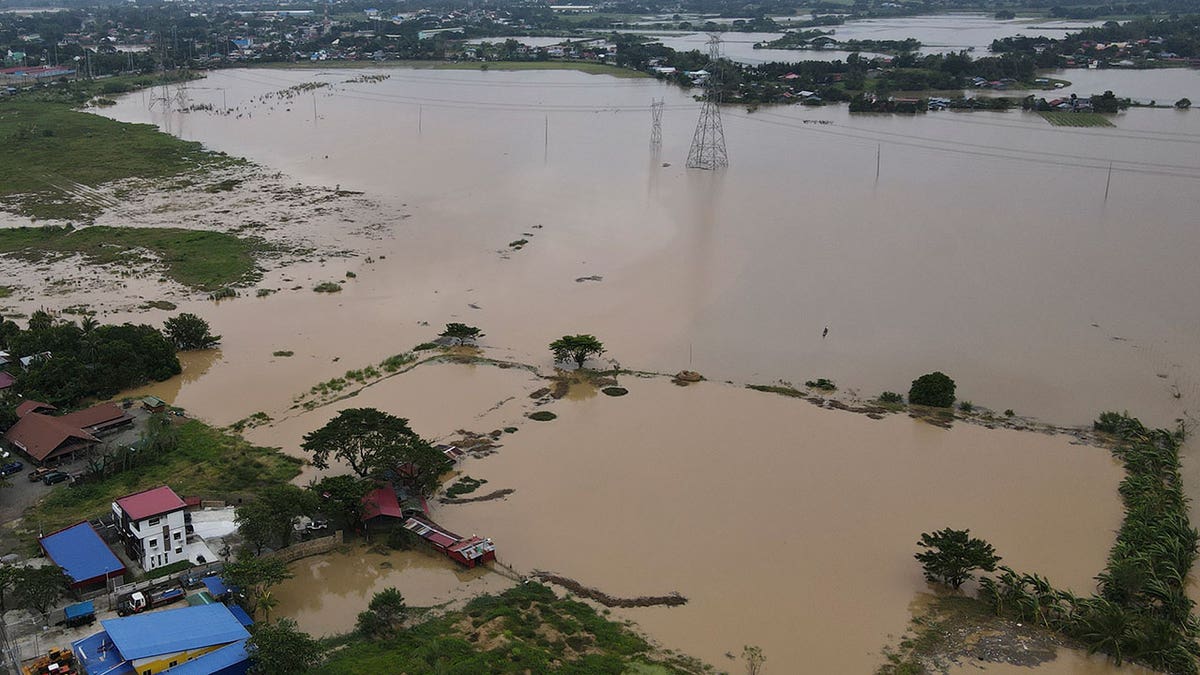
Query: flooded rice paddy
[{"x": 985, "y": 249}]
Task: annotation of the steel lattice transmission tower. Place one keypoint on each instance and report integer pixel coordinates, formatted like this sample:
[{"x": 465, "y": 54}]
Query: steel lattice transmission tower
[
  {"x": 656, "y": 111},
  {"x": 708, "y": 145}
]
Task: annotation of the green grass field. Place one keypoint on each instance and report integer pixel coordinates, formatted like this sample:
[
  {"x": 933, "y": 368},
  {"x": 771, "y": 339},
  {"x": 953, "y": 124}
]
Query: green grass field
[
  {"x": 54, "y": 154},
  {"x": 1077, "y": 119},
  {"x": 525, "y": 629},
  {"x": 207, "y": 463},
  {"x": 199, "y": 259}
]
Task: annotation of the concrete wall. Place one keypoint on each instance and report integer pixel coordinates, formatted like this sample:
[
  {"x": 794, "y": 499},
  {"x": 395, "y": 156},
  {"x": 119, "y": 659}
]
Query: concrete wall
[{"x": 307, "y": 548}]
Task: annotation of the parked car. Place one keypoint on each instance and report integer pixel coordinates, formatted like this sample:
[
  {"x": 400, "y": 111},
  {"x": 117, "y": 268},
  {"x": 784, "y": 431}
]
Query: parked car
[
  {"x": 39, "y": 473},
  {"x": 11, "y": 468},
  {"x": 55, "y": 477}
]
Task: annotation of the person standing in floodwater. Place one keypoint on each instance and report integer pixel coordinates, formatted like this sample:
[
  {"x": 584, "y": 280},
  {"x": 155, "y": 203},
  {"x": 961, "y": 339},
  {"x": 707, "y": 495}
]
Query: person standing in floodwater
[{"x": 825, "y": 333}]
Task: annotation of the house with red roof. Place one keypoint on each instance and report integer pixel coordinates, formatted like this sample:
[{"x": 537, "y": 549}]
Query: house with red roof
[{"x": 153, "y": 526}]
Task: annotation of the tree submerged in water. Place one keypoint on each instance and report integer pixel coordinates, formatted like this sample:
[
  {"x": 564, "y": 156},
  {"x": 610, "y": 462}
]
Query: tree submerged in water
[
  {"x": 577, "y": 348},
  {"x": 951, "y": 555}
]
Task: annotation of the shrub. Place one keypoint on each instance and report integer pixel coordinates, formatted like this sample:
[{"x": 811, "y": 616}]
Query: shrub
[
  {"x": 932, "y": 389},
  {"x": 327, "y": 287},
  {"x": 542, "y": 416},
  {"x": 425, "y": 346},
  {"x": 890, "y": 397},
  {"x": 1009, "y": 413},
  {"x": 1120, "y": 424},
  {"x": 966, "y": 406},
  {"x": 821, "y": 383}
]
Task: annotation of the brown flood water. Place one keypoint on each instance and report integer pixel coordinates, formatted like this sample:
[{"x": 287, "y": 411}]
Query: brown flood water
[
  {"x": 785, "y": 525},
  {"x": 985, "y": 250},
  {"x": 327, "y": 592}
]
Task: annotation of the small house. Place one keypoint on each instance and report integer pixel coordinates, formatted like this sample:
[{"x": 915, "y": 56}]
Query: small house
[{"x": 83, "y": 556}]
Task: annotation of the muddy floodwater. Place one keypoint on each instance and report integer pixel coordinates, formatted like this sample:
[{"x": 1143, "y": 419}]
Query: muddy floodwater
[{"x": 985, "y": 248}]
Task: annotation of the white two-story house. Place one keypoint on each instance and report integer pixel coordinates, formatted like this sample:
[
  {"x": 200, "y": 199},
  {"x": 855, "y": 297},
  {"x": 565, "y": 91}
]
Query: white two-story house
[{"x": 152, "y": 525}]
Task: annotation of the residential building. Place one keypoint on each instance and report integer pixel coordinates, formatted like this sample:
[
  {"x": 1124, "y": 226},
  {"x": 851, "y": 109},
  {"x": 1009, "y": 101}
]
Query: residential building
[
  {"x": 153, "y": 526},
  {"x": 44, "y": 437},
  {"x": 83, "y": 556}
]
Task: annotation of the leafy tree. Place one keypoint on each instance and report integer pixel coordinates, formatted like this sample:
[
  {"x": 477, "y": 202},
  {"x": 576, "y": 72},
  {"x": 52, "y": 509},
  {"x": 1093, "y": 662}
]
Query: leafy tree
[
  {"x": 188, "y": 331},
  {"x": 268, "y": 519},
  {"x": 385, "y": 613},
  {"x": 933, "y": 389},
  {"x": 754, "y": 659},
  {"x": 1183, "y": 103},
  {"x": 577, "y": 348},
  {"x": 254, "y": 577},
  {"x": 344, "y": 493},
  {"x": 39, "y": 587},
  {"x": 373, "y": 442},
  {"x": 281, "y": 648},
  {"x": 461, "y": 333},
  {"x": 951, "y": 555}
]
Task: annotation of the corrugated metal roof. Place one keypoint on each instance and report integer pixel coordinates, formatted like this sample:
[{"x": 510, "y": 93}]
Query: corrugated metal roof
[
  {"x": 174, "y": 630},
  {"x": 81, "y": 553},
  {"x": 381, "y": 502},
  {"x": 231, "y": 659},
  {"x": 96, "y": 655},
  {"x": 150, "y": 503}
]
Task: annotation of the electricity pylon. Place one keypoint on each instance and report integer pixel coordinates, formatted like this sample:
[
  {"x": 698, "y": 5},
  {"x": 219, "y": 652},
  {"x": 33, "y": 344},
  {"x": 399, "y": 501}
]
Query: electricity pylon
[
  {"x": 708, "y": 145},
  {"x": 656, "y": 111}
]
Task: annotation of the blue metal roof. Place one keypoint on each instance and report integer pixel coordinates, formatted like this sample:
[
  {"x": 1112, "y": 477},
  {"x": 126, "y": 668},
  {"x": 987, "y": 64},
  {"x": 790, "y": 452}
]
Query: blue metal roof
[
  {"x": 241, "y": 615},
  {"x": 174, "y": 630},
  {"x": 97, "y": 655},
  {"x": 79, "y": 609},
  {"x": 81, "y": 553},
  {"x": 215, "y": 586},
  {"x": 231, "y": 660}
]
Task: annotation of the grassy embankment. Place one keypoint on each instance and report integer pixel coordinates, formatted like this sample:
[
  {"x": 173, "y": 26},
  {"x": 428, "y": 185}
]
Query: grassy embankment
[
  {"x": 525, "y": 629},
  {"x": 55, "y": 155},
  {"x": 1076, "y": 119},
  {"x": 196, "y": 258},
  {"x": 206, "y": 463}
]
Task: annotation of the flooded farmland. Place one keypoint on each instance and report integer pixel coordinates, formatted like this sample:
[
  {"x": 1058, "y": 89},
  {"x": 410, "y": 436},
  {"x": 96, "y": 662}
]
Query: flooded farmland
[{"x": 985, "y": 249}]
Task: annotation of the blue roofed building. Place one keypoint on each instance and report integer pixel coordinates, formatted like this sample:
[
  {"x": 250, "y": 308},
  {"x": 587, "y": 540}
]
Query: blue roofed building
[
  {"x": 189, "y": 640},
  {"x": 83, "y": 555}
]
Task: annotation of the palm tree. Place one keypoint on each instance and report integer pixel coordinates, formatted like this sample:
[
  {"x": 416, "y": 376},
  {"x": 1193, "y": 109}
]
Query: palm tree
[
  {"x": 267, "y": 602},
  {"x": 1105, "y": 627}
]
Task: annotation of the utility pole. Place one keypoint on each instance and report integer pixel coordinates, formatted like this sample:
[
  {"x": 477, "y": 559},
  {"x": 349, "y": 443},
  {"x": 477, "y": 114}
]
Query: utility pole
[
  {"x": 878, "y": 153},
  {"x": 1108, "y": 182},
  {"x": 708, "y": 144},
  {"x": 546, "y": 142},
  {"x": 656, "y": 111}
]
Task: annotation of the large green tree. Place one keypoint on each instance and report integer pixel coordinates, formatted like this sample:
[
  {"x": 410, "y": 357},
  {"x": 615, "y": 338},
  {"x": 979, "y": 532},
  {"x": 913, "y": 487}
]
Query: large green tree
[
  {"x": 281, "y": 648},
  {"x": 267, "y": 520},
  {"x": 933, "y": 389},
  {"x": 384, "y": 614},
  {"x": 461, "y": 333},
  {"x": 39, "y": 587},
  {"x": 374, "y": 443},
  {"x": 344, "y": 494},
  {"x": 189, "y": 331},
  {"x": 577, "y": 348},
  {"x": 254, "y": 576},
  {"x": 949, "y": 556}
]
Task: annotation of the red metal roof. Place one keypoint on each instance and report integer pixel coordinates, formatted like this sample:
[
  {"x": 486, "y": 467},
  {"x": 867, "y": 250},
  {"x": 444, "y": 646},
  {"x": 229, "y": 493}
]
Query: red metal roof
[
  {"x": 381, "y": 502},
  {"x": 6, "y": 380},
  {"x": 150, "y": 503},
  {"x": 43, "y": 437},
  {"x": 26, "y": 407}
]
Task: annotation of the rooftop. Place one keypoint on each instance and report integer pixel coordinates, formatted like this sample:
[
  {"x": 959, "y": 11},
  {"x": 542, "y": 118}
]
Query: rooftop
[
  {"x": 81, "y": 553},
  {"x": 152, "y": 502},
  {"x": 174, "y": 630},
  {"x": 381, "y": 502}
]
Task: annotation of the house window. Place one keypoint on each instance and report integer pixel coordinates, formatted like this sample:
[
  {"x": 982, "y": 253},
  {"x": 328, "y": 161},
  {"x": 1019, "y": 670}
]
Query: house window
[
  {"x": 153, "y": 543},
  {"x": 179, "y": 550},
  {"x": 172, "y": 664},
  {"x": 153, "y": 521},
  {"x": 178, "y": 535}
]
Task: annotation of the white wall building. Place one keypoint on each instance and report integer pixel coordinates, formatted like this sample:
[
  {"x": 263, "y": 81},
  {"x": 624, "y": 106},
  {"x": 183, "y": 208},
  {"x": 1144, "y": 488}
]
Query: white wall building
[{"x": 153, "y": 527}]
